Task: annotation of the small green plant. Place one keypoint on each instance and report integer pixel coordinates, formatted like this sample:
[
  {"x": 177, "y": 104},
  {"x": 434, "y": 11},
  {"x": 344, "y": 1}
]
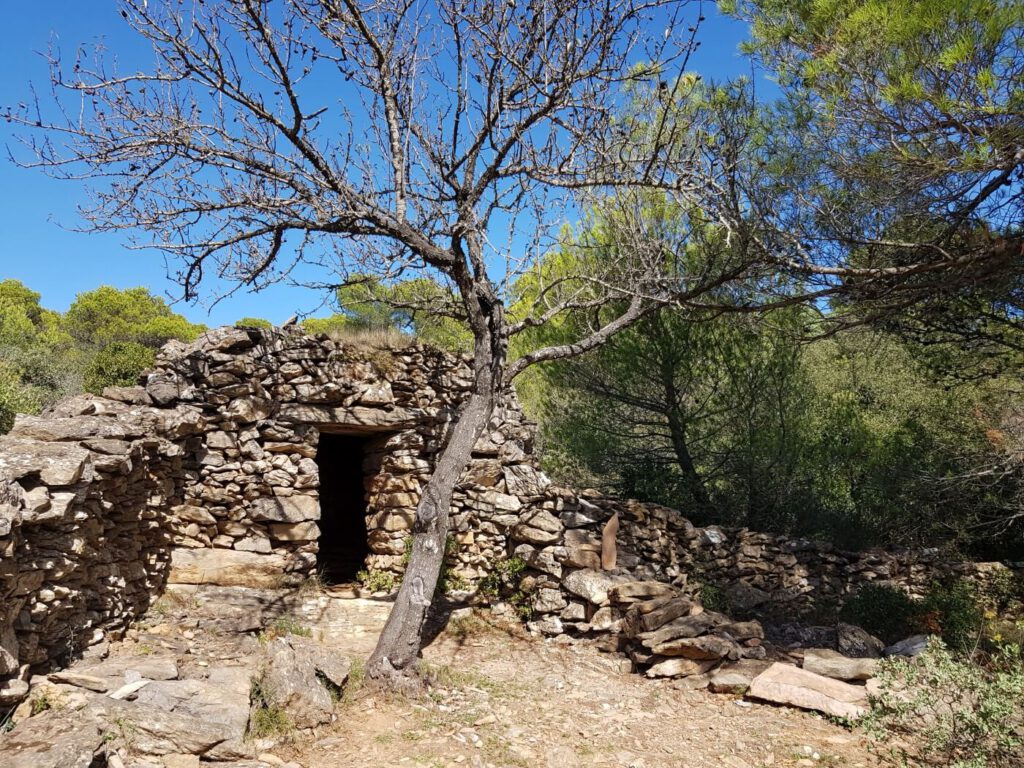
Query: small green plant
[
  {"x": 356, "y": 680},
  {"x": 941, "y": 710},
  {"x": 284, "y": 625},
  {"x": 713, "y": 598},
  {"x": 42, "y": 702},
  {"x": 884, "y": 611},
  {"x": 266, "y": 718},
  {"x": 377, "y": 581},
  {"x": 505, "y": 582}
]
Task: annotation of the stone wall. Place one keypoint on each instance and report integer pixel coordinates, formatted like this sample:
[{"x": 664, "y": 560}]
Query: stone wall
[{"x": 208, "y": 474}]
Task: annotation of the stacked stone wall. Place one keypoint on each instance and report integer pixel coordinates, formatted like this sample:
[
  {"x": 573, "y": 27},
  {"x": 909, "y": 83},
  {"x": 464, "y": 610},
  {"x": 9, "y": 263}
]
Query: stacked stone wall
[{"x": 207, "y": 474}]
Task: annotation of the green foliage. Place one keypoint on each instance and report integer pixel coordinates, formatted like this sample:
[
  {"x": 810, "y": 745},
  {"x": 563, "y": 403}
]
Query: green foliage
[
  {"x": 886, "y": 612},
  {"x": 267, "y": 719},
  {"x": 950, "y": 609},
  {"x": 253, "y": 322},
  {"x": 117, "y": 364},
  {"x": 940, "y": 710},
  {"x": 953, "y": 611},
  {"x": 377, "y": 581},
  {"x": 107, "y": 315},
  {"x": 107, "y": 338},
  {"x": 713, "y": 598},
  {"x": 505, "y": 582}
]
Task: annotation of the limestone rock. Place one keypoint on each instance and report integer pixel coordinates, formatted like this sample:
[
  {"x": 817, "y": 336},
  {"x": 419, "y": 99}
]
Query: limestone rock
[
  {"x": 825, "y": 661},
  {"x": 590, "y": 584},
  {"x": 736, "y": 677},
  {"x": 290, "y": 679},
  {"x": 636, "y": 591},
  {"x": 705, "y": 647},
  {"x": 52, "y": 741},
  {"x": 680, "y": 667},
  {"x": 80, "y": 680},
  {"x": 285, "y": 509},
  {"x": 52, "y": 464},
  {"x": 538, "y": 527},
  {"x": 786, "y": 684},
  {"x": 226, "y": 568}
]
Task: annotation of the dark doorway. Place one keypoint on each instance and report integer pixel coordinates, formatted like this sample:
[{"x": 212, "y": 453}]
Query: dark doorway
[{"x": 343, "y": 539}]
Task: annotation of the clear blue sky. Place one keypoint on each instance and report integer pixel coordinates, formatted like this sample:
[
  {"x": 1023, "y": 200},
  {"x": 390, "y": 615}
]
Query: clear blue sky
[{"x": 38, "y": 214}]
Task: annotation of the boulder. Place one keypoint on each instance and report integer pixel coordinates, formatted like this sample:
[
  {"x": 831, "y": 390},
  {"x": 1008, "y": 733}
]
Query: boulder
[
  {"x": 52, "y": 740},
  {"x": 912, "y": 646},
  {"x": 290, "y": 679},
  {"x": 857, "y": 643},
  {"x": 825, "y": 661},
  {"x": 786, "y": 684},
  {"x": 592, "y": 585}
]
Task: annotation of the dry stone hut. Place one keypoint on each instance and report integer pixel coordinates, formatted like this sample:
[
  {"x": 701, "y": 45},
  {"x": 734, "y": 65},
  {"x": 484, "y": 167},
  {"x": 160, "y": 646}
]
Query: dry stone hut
[{"x": 262, "y": 457}]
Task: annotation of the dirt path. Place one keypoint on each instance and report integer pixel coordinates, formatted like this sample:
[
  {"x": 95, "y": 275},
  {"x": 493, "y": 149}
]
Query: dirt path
[{"x": 503, "y": 699}]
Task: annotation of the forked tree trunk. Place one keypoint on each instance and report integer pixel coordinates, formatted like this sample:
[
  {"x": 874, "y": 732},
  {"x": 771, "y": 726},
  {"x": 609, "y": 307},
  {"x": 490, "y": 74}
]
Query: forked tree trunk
[{"x": 399, "y": 645}]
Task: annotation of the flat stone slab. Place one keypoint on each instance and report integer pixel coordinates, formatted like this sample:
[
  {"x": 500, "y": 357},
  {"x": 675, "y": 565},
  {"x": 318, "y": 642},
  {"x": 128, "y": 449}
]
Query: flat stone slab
[
  {"x": 786, "y": 684},
  {"x": 226, "y": 568},
  {"x": 825, "y": 661},
  {"x": 51, "y": 740}
]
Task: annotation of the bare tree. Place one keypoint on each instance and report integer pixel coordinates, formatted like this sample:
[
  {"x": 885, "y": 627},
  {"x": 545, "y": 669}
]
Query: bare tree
[
  {"x": 447, "y": 138},
  {"x": 381, "y": 138}
]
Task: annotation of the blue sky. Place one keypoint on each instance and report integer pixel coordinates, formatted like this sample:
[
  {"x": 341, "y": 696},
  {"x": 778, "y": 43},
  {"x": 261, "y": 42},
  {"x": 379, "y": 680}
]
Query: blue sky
[{"x": 38, "y": 214}]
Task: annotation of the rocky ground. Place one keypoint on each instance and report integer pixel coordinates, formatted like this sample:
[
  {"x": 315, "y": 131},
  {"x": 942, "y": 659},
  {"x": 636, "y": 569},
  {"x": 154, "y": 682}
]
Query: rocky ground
[{"x": 178, "y": 692}]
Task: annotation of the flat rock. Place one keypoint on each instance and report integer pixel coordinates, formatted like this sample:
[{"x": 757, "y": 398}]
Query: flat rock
[
  {"x": 79, "y": 680},
  {"x": 680, "y": 667},
  {"x": 786, "y": 684},
  {"x": 52, "y": 740},
  {"x": 825, "y": 661},
  {"x": 705, "y": 647},
  {"x": 736, "y": 677},
  {"x": 912, "y": 646},
  {"x": 290, "y": 679},
  {"x": 683, "y": 626},
  {"x": 226, "y": 568},
  {"x": 52, "y": 464},
  {"x": 635, "y": 591},
  {"x": 591, "y": 585}
]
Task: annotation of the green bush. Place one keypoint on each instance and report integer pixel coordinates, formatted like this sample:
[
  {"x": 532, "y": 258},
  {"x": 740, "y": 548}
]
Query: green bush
[
  {"x": 505, "y": 582},
  {"x": 118, "y": 365},
  {"x": 938, "y": 710},
  {"x": 952, "y": 610},
  {"x": 886, "y": 612}
]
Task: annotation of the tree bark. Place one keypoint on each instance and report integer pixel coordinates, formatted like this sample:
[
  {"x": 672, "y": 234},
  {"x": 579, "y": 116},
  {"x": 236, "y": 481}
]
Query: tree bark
[{"x": 399, "y": 645}]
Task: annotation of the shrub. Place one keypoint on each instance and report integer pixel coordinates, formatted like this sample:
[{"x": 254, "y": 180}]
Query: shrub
[
  {"x": 884, "y": 611},
  {"x": 938, "y": 710},
  {"x": 118, "y": 365},
  {"x": 377, "y": 581},
  {"x": 953, "y": 611},
  {"x": 505, "y": 582}
]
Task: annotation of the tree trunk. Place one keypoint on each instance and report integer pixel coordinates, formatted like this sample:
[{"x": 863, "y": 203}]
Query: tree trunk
[{"x": 399, "y": 644}]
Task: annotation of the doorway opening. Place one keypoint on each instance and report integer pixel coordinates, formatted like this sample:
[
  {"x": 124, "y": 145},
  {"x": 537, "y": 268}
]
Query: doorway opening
[{"x": 343, "y": 508}]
